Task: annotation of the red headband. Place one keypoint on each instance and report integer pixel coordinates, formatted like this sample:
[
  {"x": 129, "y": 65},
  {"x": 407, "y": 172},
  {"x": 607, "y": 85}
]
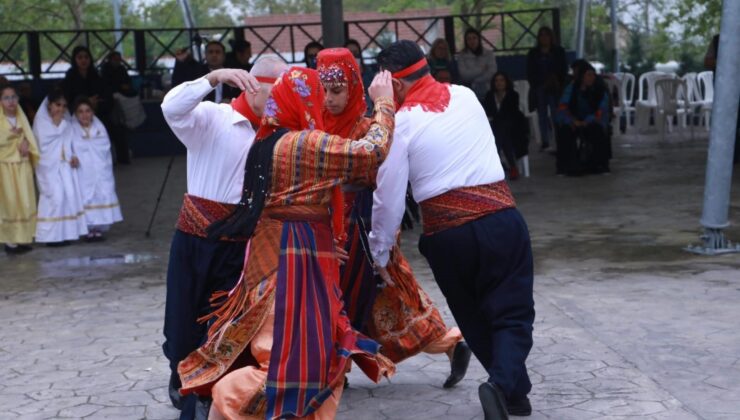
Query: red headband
[
  {"x": 263, "y": 79},
  {"x": 408, "y": 71}
]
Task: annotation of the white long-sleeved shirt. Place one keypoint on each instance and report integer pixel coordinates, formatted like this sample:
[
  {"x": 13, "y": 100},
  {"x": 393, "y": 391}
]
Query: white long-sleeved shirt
[
  {"x": 217, "y": 137},
  {"x": 436, "y": 152}
]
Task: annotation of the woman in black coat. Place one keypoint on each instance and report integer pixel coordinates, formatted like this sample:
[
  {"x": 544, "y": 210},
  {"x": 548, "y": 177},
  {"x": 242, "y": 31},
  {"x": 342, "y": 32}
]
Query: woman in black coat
[
  {"x": 547, "y": 69},
  {"x": 509, "y": 124},
  {"x": 83, "y": 79}
]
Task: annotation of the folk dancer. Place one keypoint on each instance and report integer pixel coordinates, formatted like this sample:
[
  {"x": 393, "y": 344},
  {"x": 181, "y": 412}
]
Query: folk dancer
[
  {"x": 61, "y": 213},
  {"x": 19, "y": 153},
  {"x": 476, "y": 242},
  {"x": 280, "y": 343},
  {"x": 218, "y": 138},
  {"x": 400, "y": 317},
  {"x": 92, "y": 146}
]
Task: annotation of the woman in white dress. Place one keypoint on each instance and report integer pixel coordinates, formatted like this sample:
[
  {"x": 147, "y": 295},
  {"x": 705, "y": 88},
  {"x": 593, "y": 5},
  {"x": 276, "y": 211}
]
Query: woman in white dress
[
  {"x": 61, "y": 216},
  {"x": 92, "y": 146}
]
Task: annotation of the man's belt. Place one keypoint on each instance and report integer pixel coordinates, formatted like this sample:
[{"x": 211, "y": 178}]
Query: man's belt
[{"x": 463, "y": 205}]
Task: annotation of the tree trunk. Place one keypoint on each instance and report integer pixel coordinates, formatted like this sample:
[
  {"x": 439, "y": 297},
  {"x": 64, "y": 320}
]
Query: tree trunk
[{"x": 76, "y": 9}]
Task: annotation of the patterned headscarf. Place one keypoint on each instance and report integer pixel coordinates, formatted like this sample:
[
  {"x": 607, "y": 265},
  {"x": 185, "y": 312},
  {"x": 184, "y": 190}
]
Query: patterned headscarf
[
  {"x": 295, "y": 103},
  {"x": 338, "y": 67}
]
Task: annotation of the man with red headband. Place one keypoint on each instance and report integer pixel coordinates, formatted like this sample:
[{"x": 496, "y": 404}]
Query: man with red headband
[
  {"x": 399, "y": 316},
  {"x": 474, "y": 239},
  {"x": 217, "y": 137},
  {"x": 280, "y": 343}
]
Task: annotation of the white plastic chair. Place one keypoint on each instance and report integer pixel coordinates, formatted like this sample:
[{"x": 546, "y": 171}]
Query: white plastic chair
[
  {"x": 670, "y": 96},
  {"x": 693, "y": 97},
  {"x": 646, "y": 99},
  {"x": 626, "y": 98},
  {"x": 612, "y": 85},
  {"x": 706, "y": 90}
]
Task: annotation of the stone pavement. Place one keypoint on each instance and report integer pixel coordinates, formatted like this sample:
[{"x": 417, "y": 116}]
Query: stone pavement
[{"x": 628, "y": 324}]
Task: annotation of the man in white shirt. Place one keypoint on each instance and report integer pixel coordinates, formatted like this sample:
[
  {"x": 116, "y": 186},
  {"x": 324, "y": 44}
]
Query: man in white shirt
[
  {"x": 476, "y": 242},
  {"x": 218, "y": 138}
]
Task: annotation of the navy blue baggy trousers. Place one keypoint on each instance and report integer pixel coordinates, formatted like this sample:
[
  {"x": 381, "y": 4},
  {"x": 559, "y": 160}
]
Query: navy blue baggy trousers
[
  {"x": 485, "y": 271},
  {"x": 197, "y": 268}
]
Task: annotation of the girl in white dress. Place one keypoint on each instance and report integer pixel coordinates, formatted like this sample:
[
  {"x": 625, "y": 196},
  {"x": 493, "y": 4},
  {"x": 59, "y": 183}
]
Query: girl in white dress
[
  {"x": 61, "y": 216},
  {"x": 92, "y": 146}
]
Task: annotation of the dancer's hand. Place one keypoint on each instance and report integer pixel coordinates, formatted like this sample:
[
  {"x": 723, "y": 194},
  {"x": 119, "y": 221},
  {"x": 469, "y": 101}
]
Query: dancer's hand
[
  {"x": 383, "y": 272},
  {"x": 342, "y": 254},
  {"x": 238, "y": 78},
  {"x": 381, "y": 86}
]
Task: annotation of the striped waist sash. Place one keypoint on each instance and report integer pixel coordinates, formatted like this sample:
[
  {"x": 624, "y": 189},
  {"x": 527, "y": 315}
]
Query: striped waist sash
[
  {"x": 198, "y": 213},
  {"x": 301, "y": 213},
  {"x": 462, "y": 205}
]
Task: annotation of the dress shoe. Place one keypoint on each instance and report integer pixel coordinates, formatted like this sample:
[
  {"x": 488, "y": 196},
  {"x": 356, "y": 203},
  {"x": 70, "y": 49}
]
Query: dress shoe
[
  {"x": 493, "y": 402},
  {"x": 458, "y": 364},
  {"x": 174, "y": 391},
  {"x": 17, "y": 250},
  {"x": 519, "y": 407}
]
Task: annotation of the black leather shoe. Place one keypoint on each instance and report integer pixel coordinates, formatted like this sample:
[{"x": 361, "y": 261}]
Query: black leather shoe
[
  {"x": 174, "y": 392},
  {"x": 493, "y": 402},
  {"x": 519, "y": 407},
  {"x": 17, "y": 250},
  {"x": 458, "y": 364}
]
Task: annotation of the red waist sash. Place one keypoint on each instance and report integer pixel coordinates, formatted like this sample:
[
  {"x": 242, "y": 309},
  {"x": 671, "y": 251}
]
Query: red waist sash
[
  {"x": 198, "y": 213},
  {"x": 463, "y": 205}
]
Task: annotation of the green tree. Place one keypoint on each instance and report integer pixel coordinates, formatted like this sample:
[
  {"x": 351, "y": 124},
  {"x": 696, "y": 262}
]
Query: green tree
[{"x": 698, "y": 19}]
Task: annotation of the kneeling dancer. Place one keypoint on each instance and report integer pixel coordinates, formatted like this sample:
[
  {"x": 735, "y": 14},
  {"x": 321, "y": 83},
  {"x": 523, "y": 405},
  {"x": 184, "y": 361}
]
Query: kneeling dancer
[
  {"x": 475, "y": 240},
  {"x": 280, "y": 344}
]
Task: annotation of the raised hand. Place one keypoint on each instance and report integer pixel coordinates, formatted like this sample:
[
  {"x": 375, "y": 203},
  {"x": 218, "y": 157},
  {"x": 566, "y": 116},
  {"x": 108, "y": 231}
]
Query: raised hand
[
  {"x": 237, "y": 78},
  {"x": 381, "y": 86}
]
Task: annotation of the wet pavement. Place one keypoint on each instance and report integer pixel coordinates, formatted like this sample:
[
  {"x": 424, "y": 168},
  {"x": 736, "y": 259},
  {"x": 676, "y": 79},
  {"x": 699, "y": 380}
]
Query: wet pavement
[{"x": 628, "y": 324}]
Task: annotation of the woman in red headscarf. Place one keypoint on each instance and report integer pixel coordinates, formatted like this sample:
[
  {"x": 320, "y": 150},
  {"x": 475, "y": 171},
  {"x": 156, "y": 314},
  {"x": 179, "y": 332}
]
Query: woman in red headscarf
[
  {"x": 279, "y": 343},
  {"x": 400, "y": 316}
]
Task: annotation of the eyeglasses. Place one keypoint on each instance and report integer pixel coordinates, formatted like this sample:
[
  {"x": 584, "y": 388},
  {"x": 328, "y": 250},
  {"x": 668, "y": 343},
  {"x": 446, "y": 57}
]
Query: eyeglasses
[{"x": 10, "y": 98}]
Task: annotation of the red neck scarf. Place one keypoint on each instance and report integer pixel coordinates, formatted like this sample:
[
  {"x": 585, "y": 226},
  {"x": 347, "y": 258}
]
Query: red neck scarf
[
  {"x": 294, "y": 103},
  {"x": 428, "y": 93},
  {"x": 241, "y": 106},
  {"x": 338, "y": 67}
]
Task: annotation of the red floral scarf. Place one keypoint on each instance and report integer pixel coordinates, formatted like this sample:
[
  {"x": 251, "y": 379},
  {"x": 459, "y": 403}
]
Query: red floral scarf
[{"x": 295, "y": 103}]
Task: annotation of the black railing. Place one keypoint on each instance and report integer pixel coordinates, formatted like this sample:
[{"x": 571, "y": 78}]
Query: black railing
[{"x": 46, "y": 54}]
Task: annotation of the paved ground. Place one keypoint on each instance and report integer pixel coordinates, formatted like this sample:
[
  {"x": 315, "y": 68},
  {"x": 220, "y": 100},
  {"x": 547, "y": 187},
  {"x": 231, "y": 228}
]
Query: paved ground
[{"x": 628, "y": 324}]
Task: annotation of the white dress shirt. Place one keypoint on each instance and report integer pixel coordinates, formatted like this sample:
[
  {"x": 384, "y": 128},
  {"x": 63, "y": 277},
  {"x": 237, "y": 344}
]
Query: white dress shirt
[
  {"x": 217, "y": 137},
  {"x": 436, "y": 152}
]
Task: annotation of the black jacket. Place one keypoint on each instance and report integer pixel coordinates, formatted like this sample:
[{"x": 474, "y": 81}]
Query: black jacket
[
  {"x": 554, "y": 80},
  {"x": 75, "y": 85}
]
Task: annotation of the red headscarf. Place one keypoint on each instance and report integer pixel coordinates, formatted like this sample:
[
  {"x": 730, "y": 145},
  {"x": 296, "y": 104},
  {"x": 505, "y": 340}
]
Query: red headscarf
[
  {"x": 338, "y": 67},
  {"x": 294, "y": 103}
]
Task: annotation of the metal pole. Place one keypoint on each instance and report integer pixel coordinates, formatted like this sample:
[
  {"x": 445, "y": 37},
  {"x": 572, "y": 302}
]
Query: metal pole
[
  {"x": 722, "y": 137},
  {"x": 581, "y": 28},
  {"x": 332, "y": 23},
  {"x": 117, "y": 24},
  {"x": 615, "y": 34},
  {"x": 187, "y": 17}
]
